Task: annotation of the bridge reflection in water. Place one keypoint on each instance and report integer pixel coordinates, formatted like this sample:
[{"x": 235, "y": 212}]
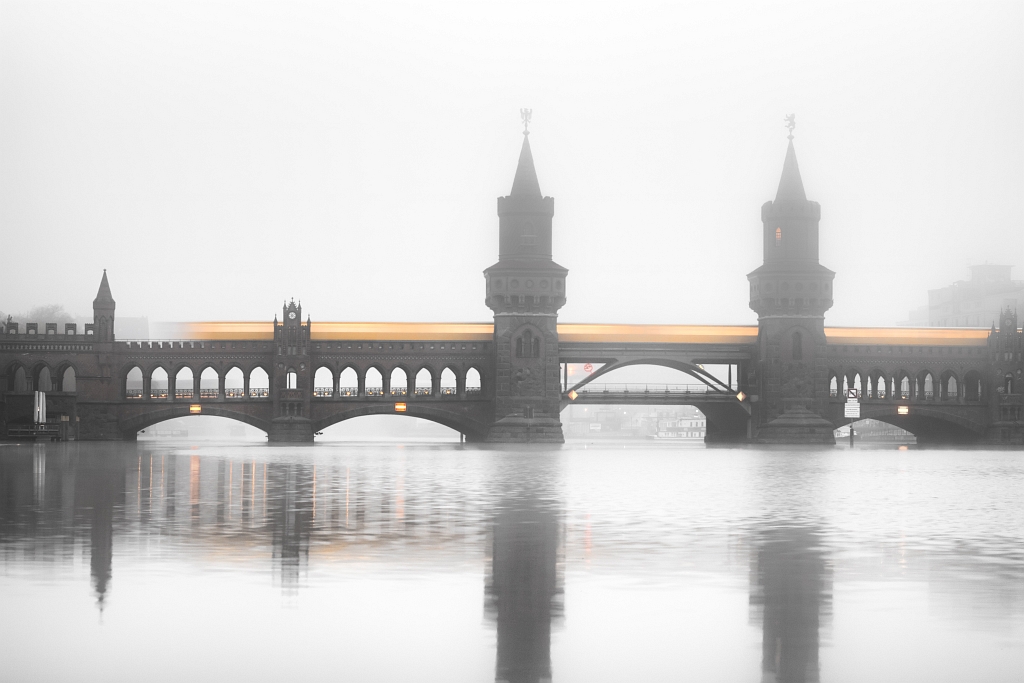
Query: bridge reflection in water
[{"x": 399, "y": 513}]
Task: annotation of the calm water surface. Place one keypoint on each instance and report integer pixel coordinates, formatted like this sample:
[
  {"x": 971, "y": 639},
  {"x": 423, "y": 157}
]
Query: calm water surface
[{"x": 383, "y": 562}]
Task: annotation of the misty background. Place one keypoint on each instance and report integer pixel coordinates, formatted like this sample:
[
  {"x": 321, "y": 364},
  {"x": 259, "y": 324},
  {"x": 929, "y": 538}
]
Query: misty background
[{"x": 218, "y": 158}]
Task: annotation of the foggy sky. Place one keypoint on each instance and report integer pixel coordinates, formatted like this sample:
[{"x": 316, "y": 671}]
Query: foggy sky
[{"x": 219, "y": 158}]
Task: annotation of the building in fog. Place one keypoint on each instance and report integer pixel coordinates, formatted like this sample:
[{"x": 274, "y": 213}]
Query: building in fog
[
  {"x": 973, "y": 303},
  {"x": 640, "y": 422}
]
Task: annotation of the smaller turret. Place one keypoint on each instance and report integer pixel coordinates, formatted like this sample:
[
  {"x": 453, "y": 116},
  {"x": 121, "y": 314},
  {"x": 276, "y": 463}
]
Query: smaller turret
[
  {"x": 1008, "y": 320},
  {"x": 103, "y": 311}
]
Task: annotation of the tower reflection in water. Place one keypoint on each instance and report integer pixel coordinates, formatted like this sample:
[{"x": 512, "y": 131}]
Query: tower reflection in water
[
  {"x": 791, "y": 592},
  {"x": 524, "y": 588}
]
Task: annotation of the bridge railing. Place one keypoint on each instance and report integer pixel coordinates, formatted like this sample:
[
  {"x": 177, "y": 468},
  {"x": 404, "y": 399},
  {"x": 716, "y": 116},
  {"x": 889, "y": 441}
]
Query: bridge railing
[
  {"x": 399, "y": 391},
  {"x": 234, "y": 392},
  {"x": 422, "y": 391},
  {"x": 348, "y": 391},
  {"x": 259, "y": 393},
  {"x": 374, "y": 391},
  {"x": 595, "y": 388},
  {"x": 449, "y": 391},
  {"x": 182, "y": 393},
  {"x": 323, "y": 392},
  {"x": 472, "y": 391},
  {"x": 209, "y": 393},
  {"x": 133, "y": 393}
]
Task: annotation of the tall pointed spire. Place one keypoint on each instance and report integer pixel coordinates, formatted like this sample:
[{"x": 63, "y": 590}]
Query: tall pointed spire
[
  {"x": 525, "y": 183},
  {"x": 791, "y": 186},
  {"x": 104, "y": 295}
]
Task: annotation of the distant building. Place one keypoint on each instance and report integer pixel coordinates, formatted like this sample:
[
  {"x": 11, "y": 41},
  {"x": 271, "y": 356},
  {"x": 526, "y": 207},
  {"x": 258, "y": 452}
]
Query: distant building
[
  {"x": 634, "y": 422},
  {"x": 973, "y": 303}
]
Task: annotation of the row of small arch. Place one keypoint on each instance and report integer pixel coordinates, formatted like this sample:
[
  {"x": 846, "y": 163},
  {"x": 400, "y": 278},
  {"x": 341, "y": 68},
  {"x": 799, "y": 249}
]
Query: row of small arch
[
  {"x": 41, "y": 378},
  {"x": 256, "y": 382},
  {"x": 904, "y": 385}
]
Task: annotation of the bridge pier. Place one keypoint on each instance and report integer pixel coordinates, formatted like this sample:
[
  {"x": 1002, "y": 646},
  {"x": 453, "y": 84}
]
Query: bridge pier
[{"x": 290, "y": 430}]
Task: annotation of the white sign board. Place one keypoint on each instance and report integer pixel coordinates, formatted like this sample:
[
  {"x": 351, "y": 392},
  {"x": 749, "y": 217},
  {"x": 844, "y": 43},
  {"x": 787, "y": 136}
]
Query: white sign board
[{"x": 852, "y": 409}]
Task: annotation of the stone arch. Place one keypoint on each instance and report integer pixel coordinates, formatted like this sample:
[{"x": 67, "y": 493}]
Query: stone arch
[
  {"x": 133, "y": 383},
  {"x": 474, "y": 429},
  {"x": 131, "y": 426},
  {"x": 209, "y": 382},
  {"x": 931, "y": 424},
  {"x": 184, "y": 382},
  {"x": 67, "y": 378},
  {"x": 949, "y": 386},
  {"x": 17, "y": 378},
  {"x": 423, "y": 382},
  {"x": 373, "y": 381},
  {"x": 348, "y": 381},
  {"x": 42, "y": 378},
  {"x": 834, "y": 387},
  {"x": 323, "y": 382},
  {"x": 448, "y": 382},
  {"x": 854, "y": 379},
  {"x": 528, "y": 342},
  {"x": 259, "y": 382},
  {"x": 474, "y": 382},
  {"x": 925, "y": 389},
  {"x": 904, "y": 385},
  {"x": 234, "y": 382},
  {"x": 398, "y": 381},
  {"x": 159, "y": 382},
  {"x": 877, "y": 385}
]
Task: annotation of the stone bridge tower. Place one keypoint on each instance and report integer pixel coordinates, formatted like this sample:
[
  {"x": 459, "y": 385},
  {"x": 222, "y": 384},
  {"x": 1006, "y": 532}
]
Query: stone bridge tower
[
  {"x": 525, "y": 289},
  {"x": 790, "y": 293},
  {"x": 291, "y": 377}
]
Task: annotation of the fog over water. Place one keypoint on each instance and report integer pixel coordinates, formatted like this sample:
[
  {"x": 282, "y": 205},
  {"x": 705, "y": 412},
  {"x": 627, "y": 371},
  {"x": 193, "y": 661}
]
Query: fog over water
[
  {"x": 219, "y": 157},
  {"x": 613, "y": 562}
]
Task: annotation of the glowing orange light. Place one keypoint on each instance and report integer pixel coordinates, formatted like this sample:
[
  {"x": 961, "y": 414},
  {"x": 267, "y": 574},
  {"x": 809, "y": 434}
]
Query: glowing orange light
[
  {"x": 902, "y": 410},
  {"x": 195, "y": 409},
  {"x": 401, "y": 407},
  {"x": 573, "y": 395},
  {"x": 740, "y": 396}
]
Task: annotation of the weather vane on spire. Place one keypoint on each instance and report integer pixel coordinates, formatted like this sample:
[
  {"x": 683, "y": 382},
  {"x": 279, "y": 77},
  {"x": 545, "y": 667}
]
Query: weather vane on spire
[
  {"x": 526, "y": 114},
  {"x": 791, "y": 124}
]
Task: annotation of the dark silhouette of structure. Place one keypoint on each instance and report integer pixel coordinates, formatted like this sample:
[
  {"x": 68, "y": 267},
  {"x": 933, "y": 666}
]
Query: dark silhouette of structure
[
  {"x": 500, "y": 381},
  {"x": 524, "y": 588},
  {"x": 792, "y": 593}
]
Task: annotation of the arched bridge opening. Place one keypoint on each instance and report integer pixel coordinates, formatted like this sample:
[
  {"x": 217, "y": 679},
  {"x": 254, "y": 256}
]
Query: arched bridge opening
[
  {"x": 131, "y": 427},
  {"x": 471, "y": 424},
  {"x": 681, "y": 399}
]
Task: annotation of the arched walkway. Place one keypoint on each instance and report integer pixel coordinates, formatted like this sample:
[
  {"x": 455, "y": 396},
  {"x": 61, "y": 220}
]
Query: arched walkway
[
  {"x": 348, "y": 382},
  {"x": 234, "y": 383},
  {"x": 259, "y": 383},
  {"x": 158, "y": 385},
  {"x": 134, "y": 383}
]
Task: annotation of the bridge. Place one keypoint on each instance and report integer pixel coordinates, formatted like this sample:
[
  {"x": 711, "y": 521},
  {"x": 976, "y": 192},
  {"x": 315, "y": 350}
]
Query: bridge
[{"x": 507, "y": 380}]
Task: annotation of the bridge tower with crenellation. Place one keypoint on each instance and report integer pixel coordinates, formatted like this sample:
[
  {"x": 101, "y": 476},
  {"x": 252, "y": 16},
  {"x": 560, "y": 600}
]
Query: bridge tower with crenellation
[
  {"x": 525, "y": 289},
  {"x": 790, "y": 293}
]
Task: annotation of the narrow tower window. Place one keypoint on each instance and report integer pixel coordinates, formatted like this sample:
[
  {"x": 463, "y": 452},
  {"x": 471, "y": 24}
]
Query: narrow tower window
[
  {"x": 798, "y": 346},
  {"x": 778, "y": 236}
]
